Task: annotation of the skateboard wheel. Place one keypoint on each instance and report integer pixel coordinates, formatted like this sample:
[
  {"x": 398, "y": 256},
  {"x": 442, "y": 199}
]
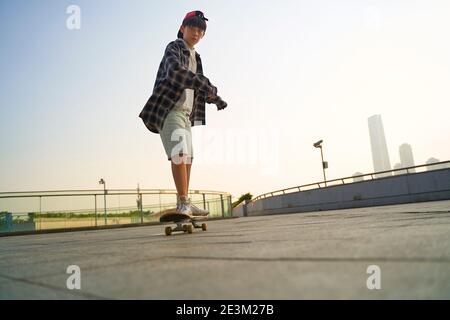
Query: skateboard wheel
[
  {"x": 190, "y": 229},
  {"x": 204, "y": 226},
  {"x": 168, "y": 231},
  {"x": 185, "y": 227}
]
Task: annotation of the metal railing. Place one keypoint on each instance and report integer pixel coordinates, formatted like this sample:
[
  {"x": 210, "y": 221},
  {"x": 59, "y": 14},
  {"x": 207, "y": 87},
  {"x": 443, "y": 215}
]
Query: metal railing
[
  {"x": 341, "y": 181},
  {"x": 71, "y": 209}
]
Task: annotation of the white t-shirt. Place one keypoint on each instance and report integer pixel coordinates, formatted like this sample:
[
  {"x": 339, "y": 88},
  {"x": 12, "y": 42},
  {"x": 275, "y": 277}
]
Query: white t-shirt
[{"x": 186, "y": 101}]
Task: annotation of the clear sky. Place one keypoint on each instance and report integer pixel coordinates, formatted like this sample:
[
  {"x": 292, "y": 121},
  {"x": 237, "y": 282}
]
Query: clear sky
[{"x": 292, "y": 72}]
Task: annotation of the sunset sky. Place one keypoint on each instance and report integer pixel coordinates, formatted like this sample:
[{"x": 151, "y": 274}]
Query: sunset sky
[{"x": 292, "y": 72}]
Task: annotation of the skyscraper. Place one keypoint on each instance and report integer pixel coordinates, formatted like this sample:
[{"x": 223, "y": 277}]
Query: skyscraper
[
  {"x": 398, "y": 166},
  {"x": 380, "y": 155},
  {"x": 357, "y": 179},
  {"x": 431, "y": 161},
  {"x": 406, "y": 156}
]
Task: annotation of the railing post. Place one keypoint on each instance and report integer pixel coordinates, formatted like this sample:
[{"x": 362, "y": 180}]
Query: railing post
[
  {"x": 95, "y": 201},
  {"x": 104, "y": 198},
  {"x": 140, "y": 207},
  {"x": 221, "y": 203},
  {"x": 204, "y": 201},
  {"x": 230, "y": 205}
]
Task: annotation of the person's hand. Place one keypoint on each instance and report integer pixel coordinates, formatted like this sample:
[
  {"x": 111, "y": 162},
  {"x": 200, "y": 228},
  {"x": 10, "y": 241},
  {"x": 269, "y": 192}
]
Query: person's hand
[
  {"x": 212, "y": 97},
  {"x": 220, "y": 103}
]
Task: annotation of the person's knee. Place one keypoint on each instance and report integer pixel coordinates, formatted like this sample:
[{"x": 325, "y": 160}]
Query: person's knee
[{"x": 181, "y": 159}]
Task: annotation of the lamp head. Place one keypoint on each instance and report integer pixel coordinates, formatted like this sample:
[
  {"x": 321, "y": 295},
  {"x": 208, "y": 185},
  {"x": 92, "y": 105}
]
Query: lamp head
[{"x": 318, "y": 144}]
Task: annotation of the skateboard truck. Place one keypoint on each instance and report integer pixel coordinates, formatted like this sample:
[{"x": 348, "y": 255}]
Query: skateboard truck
[{"x": 185, "y": 226}]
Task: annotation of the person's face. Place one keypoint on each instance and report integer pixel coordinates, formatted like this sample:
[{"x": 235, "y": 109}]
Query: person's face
[{"x": 192, "y": 35}]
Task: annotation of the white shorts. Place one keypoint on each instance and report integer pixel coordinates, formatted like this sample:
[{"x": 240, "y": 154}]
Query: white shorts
[{"x": 176, "y": 134}]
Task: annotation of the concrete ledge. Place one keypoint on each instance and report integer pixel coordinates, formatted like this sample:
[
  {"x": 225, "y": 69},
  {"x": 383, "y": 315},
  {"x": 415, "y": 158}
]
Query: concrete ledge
[{"x": 408, "y": 188}]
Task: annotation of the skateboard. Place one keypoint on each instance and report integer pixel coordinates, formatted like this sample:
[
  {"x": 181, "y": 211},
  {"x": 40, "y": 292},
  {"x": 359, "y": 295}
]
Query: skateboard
[{"x": 184, "y": 222}]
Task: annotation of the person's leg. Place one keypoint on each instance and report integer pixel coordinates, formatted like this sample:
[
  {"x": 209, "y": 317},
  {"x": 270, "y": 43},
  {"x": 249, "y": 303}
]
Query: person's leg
[
  {"x": 180, "y": 177},
  {"x": 179, "y": 171},
  {"x": 188, "y": 172},
  {"x": 171, "y": 134},
  {"x": 176, "y": 137},
  {"x": 196, "y": 211}
]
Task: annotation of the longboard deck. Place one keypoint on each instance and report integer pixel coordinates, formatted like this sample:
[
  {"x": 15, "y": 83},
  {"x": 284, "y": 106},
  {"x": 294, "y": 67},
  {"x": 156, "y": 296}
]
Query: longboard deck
[
  {"x": 177, "y": 217},
  {"x": 174, "y": 217}
]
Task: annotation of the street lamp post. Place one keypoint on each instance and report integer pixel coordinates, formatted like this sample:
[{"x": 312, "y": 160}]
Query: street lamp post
[
  {"x": 318, "y": 144},
  {"x": 104, "y": 195}
]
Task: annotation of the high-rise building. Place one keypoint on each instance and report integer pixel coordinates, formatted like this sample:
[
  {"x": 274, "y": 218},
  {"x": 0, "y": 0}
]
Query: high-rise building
[
  {"x": 431, "y": 166},
  {"x": 356, "y": 177},
  {"x": 380, "y": 155},
  {"x": 398, "y": 166},
  {"x": 406, "y": 156}
]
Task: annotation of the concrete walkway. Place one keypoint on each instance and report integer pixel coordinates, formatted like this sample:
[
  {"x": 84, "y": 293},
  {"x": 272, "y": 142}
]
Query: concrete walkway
[{"x": 321, "y": 255}]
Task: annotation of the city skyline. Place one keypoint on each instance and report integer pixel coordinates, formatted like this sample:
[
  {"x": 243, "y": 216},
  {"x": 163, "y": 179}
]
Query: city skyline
[{"x": 380, "y": 155}]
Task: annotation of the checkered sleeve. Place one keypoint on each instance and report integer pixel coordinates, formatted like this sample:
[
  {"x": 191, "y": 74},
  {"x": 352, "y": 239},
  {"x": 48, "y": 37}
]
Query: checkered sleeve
[{"x": 180, "y": 76}]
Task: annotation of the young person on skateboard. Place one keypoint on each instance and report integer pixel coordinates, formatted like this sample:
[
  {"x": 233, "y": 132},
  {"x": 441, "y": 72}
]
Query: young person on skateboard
[{"x": 178, "y": 103}]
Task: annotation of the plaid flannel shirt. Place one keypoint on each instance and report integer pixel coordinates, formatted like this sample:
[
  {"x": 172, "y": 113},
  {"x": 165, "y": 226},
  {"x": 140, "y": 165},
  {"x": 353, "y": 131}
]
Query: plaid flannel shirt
[{"x": 172, "y": 78}]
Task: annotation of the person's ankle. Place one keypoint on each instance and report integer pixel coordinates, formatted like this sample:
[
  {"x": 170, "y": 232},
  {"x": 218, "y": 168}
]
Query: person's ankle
[{"x": 183, "y": 199}]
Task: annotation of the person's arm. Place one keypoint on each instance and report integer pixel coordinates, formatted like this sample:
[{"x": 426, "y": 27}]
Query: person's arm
[{"x": 183, "y": 78}]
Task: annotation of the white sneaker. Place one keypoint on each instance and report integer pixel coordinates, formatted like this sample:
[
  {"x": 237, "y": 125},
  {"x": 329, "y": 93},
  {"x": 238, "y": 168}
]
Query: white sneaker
[
  {"x": 184, "y": 208},
  {"x": 196, "y": 211}
]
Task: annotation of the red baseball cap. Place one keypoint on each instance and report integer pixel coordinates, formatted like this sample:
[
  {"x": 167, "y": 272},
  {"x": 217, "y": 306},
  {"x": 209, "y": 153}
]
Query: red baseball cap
[
  {"x": 190, "y": 15},
  {"x": 195, "y": 14}
]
